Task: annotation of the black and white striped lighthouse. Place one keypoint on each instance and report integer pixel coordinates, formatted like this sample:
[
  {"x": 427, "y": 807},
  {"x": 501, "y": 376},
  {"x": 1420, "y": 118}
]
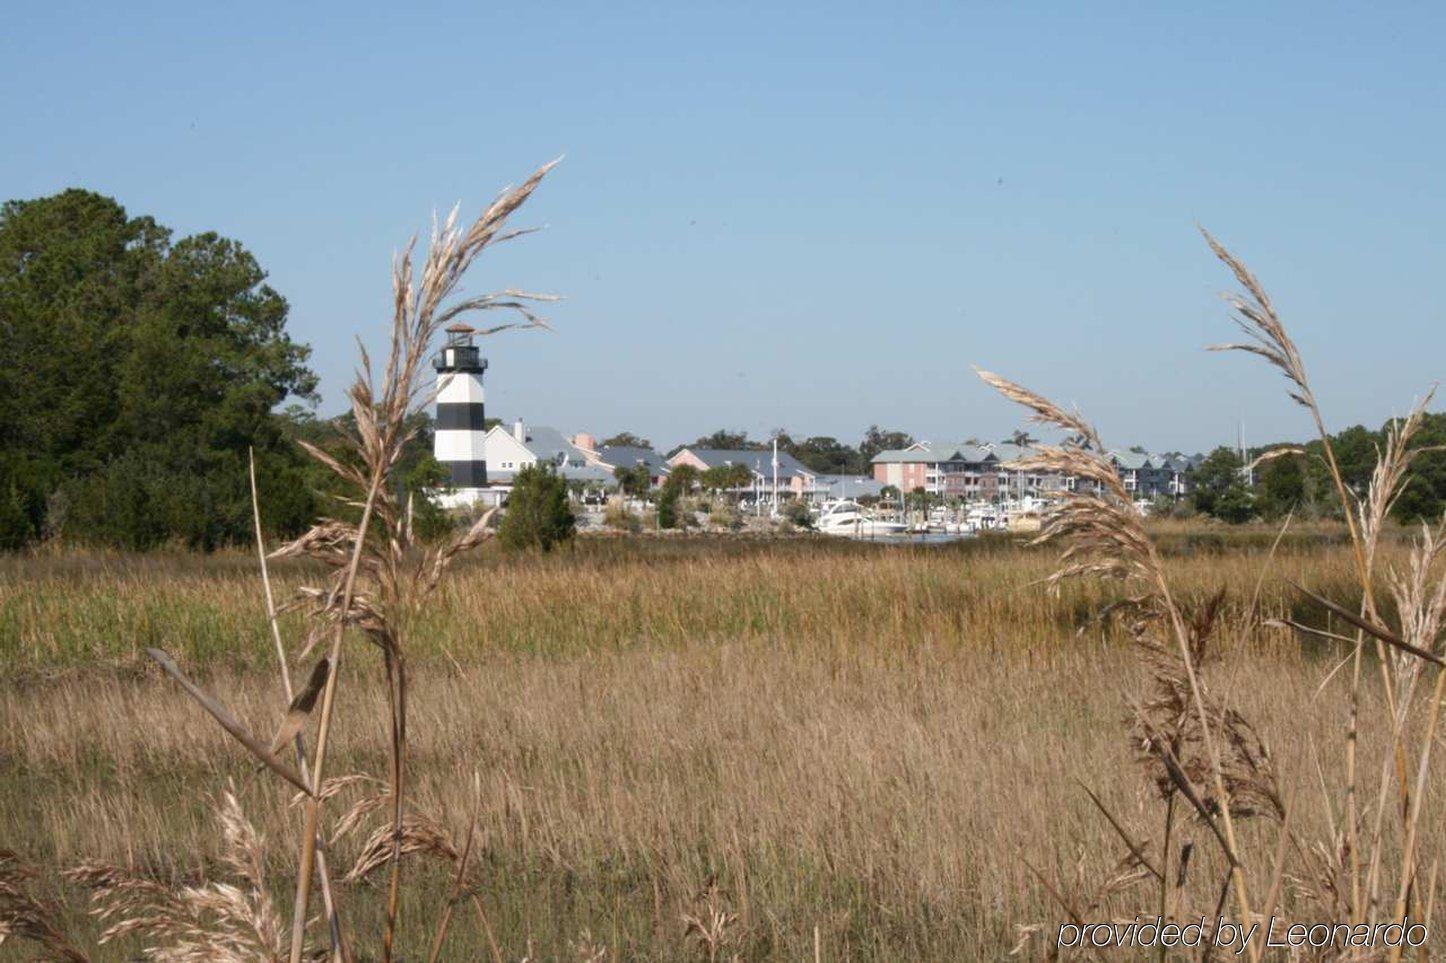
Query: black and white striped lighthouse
[{"x": 460, "y": 432}]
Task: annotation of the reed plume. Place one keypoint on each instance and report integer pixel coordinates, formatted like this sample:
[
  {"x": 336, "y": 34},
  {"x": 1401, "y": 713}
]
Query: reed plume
[
  {"x": 1198, "y": 749},
  {"x": 1193, "y": 746},
  {"x": 1357, "y": 871},
  {"x": 381, "y": 571},
  {"x": 24, "y": 915},
  {"x": 214, "y": 922}
]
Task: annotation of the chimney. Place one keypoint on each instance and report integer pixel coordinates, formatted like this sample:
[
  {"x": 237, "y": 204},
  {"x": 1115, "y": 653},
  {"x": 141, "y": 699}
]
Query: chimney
[
  {"x": 584, "y": 441},
  {"x": 518, "y": 431}
]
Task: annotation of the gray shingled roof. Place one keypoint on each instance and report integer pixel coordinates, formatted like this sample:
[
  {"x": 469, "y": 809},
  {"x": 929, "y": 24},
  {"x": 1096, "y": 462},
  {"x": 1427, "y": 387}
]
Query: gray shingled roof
[
  {"x": 850, "y": 486},
  {"x": 1135, "y": 460},
  {"x": 931, "y": 452},
  {"x": 549, "y": 444},
  {"x": 973, "y": 453},
  {"x": 760, "y": 461},
  {"x": 1008, "y": 451},
  {"x": 1004, "y": 451},
  {"x": 586, "y": 473},
  {"x": 898, "y": 456},
  {"x": 626, "y": 456},
  {"x": 1132, "y": 460}
]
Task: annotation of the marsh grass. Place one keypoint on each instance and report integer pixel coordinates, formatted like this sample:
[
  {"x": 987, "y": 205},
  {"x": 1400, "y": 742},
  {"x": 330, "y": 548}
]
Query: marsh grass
[
  {"x": 860, "y": 738},
  {"x": 86, "y": 612}
]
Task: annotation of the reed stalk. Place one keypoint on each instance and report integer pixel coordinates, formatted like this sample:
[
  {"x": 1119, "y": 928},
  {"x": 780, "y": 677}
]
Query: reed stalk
[
  {"x": 323, "y": 732},
  {"x": 400, "y": 573},
  {"x": 333, "y": 914}
]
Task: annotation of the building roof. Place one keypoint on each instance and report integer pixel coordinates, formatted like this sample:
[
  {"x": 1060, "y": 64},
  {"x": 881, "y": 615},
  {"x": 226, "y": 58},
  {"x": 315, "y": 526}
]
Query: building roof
[
  {"x": 1008, "y": 450},
  {"x": 549, "y": 444},
  {"x": 898, "y": 456},
  {"x": 760, "y": 461},
  {"x": 1132, "y": 460},
  {"x": 1136, "y": 460},
  {"x": 626, "y": 456},
  {"x": 572, "y": 471},
  {"x": 931, "y": 452},
  {"x": 849, "y": 486},
  {"x": 1176, "y": 461},
  {"x": 973, "y": 453}
]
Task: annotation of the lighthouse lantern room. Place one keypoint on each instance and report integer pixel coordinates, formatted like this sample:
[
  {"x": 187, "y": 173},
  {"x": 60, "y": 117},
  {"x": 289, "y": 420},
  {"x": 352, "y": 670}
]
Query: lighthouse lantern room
[{"x": 460, "y": 430}]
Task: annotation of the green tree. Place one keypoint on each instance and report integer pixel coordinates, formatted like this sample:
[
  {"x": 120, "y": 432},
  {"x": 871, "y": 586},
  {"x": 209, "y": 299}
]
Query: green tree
[
  {"x": 680, "y": 481},
  {"x": 1236, "y": 504},
  {"x": 1356, "y": 449},
  {"x": 683, "y": 477},
  {"x": 1281, "y": 486},
  {"x": 877, "y": 440},
  {"x": 1213, "y": 477},
  {"x": 828, "y": 455},
  {"x": 626, "y": 439},
  {"x": 135, "y": 373},
  {"x": 1424, "y": 498},
  {"x": 634, "y": 480},
  {"x": 539, "y": 513},
  {"x": 726, "y": 440},
  {"x": 668, "y": 506},
  {"x": 725, "y": 477},
  {"x": 920, "y": 499}
]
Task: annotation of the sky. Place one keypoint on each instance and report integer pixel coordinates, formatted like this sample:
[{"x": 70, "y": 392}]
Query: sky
[{"x": 806, "y": 216}]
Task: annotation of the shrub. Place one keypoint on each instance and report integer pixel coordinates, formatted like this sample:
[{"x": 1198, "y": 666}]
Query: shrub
[
  {"x": 668, "y": 507},
  {"x": 1235, "y": 505},
  {"x": 671, "y": 512},
  {"x": 722, "y": 515},
  {"x": 634, "y": 480},
  {"x": 684, "y": 478},
  {"x": 618, "y": 516},
  {"x": 798, "y": 515},
  {"x": 539, "y": 514}
]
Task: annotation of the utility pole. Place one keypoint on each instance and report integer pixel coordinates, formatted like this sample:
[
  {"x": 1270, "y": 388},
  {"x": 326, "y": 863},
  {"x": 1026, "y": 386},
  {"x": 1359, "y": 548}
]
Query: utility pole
[
  {"x": 1247, "y": 473},
  {"x": 775, "y": 474}
]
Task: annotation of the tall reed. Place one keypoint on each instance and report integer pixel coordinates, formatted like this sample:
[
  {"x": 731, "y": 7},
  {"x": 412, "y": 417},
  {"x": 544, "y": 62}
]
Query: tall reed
[
  {"x": 1200, "y": 753},
  {"x": 382, "y": 577}
]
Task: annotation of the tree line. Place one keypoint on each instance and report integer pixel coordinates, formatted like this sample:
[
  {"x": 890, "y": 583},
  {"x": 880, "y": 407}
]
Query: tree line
[
  {"x": 1286, "y": 478},
  {"x": 821, "y": 453},
  {"x": 138, "y": 370}
]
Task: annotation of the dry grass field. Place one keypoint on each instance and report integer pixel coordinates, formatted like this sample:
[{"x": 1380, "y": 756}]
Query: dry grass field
[{"x": 849, "y": 749}]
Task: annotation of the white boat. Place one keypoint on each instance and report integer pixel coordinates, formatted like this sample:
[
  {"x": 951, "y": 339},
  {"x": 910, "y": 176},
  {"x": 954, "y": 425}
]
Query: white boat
[
  {"x": 982, "y": 518},
  {"x": 849, "y": 518}
]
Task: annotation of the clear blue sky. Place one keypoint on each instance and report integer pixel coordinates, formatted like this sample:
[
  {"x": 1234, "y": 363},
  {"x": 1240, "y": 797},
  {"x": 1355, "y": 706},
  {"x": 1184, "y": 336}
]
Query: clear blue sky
[{"x": 811, "y": 216}]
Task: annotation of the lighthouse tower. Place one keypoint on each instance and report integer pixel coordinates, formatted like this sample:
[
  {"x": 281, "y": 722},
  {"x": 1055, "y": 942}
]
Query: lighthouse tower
[{"x": 459, "y": 442}]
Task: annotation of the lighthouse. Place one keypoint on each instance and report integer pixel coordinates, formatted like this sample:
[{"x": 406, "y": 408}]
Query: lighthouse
[{"x": 460, "y": 433}]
